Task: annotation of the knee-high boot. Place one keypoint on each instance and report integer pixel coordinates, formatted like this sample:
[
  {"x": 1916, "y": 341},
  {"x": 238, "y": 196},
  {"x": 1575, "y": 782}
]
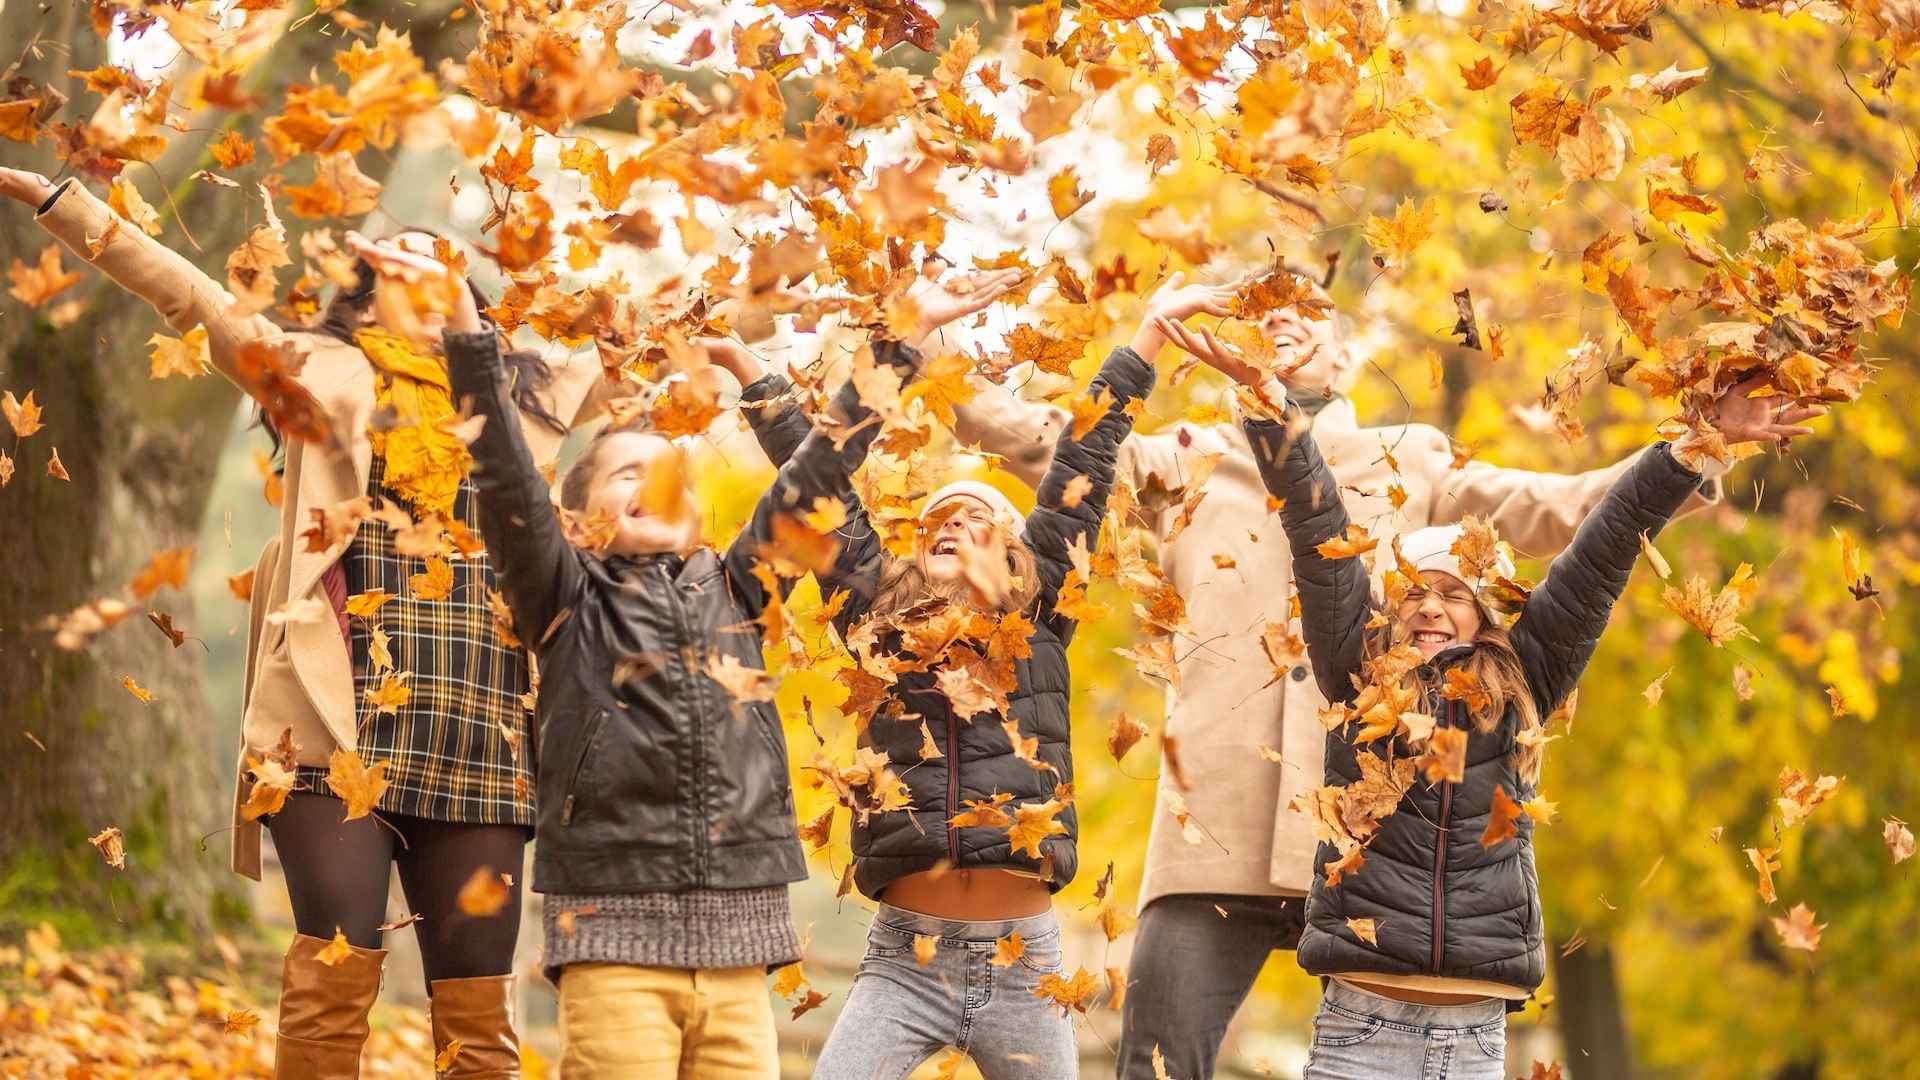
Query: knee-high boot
[
  {"x": 323, "y": 1011},
  {"x": 478, "y": 1015}
]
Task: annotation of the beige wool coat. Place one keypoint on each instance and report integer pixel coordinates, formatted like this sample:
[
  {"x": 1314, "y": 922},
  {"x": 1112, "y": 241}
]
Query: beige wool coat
[
  {"x": 1226, "y": 706},
  {"x": 298, "y": 672}
]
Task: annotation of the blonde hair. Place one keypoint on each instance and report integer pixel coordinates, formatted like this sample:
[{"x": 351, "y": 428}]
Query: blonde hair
[{"x": 905, "y": 593}]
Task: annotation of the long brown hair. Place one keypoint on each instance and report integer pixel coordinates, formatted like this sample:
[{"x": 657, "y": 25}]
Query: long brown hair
[
  {"x": 905, "y": 592},
  {"x": 1495, "y": 665}
]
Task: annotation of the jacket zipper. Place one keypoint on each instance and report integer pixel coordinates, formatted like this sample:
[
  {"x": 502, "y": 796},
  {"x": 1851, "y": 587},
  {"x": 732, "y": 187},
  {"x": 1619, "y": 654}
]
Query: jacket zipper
[
  {"x": 953, "y": 786},
  {"x": 697, "y": 730},
  {"x": 580, "y": 763},
  {"x": 1440, "y": 867}
]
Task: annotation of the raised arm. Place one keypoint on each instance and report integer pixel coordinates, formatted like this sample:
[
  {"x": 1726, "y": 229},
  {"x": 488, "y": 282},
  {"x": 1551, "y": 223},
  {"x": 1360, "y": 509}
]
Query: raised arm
[
  {"x": 821, "y": 468},
  {"x": 183, "y": 295},
  {"x": 1557, "y": 633},
  {"x": 1054, "y": 527},
  {"x": 1536, "y": 512},
  {"x": 538, "y": 570}
]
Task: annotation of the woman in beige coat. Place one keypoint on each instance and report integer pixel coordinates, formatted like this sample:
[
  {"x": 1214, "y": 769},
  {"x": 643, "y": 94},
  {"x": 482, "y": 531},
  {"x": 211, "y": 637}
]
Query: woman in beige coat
[{"x": 371, "y": 642}]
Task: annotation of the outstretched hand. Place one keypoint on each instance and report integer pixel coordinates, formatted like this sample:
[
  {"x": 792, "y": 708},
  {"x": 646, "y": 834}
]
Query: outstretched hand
[
  {"x": 1740, "y": 417},
  {"x": 939, "y": 302},
  {"x": 1210, "y": 350},
  {"x": 1176, "y": 300},
  {"x": 732, "y": 357},
  {"x": 26, "y": 187},
  {"x": 395, "y": 303}
]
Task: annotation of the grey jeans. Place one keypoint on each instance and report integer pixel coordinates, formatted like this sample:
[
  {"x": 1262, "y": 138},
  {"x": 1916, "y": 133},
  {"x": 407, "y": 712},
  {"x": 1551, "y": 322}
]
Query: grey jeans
[
  {"x": 901, "y": 1012},
  {"x": 1363, "y": 1036}
]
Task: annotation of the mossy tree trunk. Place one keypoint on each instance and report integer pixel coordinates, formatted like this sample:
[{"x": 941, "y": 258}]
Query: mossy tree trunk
[{"x": 81, "y": 752}]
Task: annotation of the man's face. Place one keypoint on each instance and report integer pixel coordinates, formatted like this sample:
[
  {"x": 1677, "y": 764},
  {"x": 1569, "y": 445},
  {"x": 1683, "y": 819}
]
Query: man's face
[
  {"x": 1309, "y": 354},
  {"x": 641, "y": 483}
]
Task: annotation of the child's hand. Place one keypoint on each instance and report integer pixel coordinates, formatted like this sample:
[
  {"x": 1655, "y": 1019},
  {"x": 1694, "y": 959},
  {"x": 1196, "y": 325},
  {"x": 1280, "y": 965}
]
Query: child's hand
[
  {"x": 940, "y": 302},
  {"x": 1210, "y": 350},
  {"x": 26, "y": 187},
  {"x": 1176, "y": 300},
  {"x": 732, "y": 357},
  {"x": 391, "y": 261},
  {"x": 1772, "y": 418}
]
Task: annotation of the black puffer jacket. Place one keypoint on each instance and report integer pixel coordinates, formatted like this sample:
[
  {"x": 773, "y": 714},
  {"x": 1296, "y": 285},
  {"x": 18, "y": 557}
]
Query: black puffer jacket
[
  {"x": 1442, "y": 904},
  {"x": 977, "y": 759},
  {"x": 663, "y": 782}
]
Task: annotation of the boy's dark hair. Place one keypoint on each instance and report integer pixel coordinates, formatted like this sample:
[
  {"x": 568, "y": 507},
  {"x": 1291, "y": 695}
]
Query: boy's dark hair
[{"x": 573, "y": 486}]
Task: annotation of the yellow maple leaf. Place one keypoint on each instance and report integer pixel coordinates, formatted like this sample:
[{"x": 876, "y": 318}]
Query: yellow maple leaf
[
  {"x": 392, "y": 692},
  {"x": 485, "y": 893},
  {"x": 1395, "y": 239},
  {"x": 352, "y": 781},
  {"x": 435, "y": 583},
  {"x": 1008, "y": 950},
  {"x": 1033, "y": 823},
  {"x": 1366, "y": 930},
  {"x": 366, "y": 603},
  {"x": 272, "y": 782},
  {"x": 337, "y": 950},
  {"x": 22, "y": 416},
  {"x": 1064, "y": 194},
  {"x": 942, "y": 385},
  {"x": 1714, "y": 614},
  {"x": 1356, "y": 542},
  {"x": 186, "y": 356}
]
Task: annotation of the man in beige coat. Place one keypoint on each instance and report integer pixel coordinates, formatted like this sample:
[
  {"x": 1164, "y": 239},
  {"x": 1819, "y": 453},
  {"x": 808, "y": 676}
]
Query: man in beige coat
[{"x": 1212, "y": 911}]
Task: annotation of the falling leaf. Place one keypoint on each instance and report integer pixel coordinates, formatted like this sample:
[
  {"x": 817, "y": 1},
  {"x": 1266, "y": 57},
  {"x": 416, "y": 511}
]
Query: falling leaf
[
  {"x": 187, "y": 356},
  {"x": 1501, "y": 818},
  {"x": 1125, "y": 732},
  {"x": 1356, "y": 542},
  {"x": 451, "y": 1053},
  {"x": 55, "y": 469},
  {"x": 1064, "y": 194},
  {"x": 1008, "y": 950},
  {"x": 22, "y": 416},
  {"x": 485, "y": 893},
  {"x": 1395, "y": 239},
  {"x": 337, "y": 950},
  {"x": 240, "y": 1022},
  {"x": 1798, "y": 930},
  {"x": 164, "y": 623},
  {"x": 111, "y": 845},
  {"x": 125, "y": 199},
  {"x": 1899, "y": 840},
  {"x": 435, "y": 583},
  {"x": 1445, "y": 759},
  {"x": 1765, "y": 865},
  {"x": 366, "y": 603},
  {"x": 136, "y": 689},
  {"x": 741, "y": 682},
  {"x": 1799, "y": 796},
  {"x": 354, "y": 782},
  {"x": 1654, "y": 560},
  {"x": 35, "y": 285},
  {"x": 1656, "y": 689},
  {"x": 1365, "y": 930},
  {"x": 272, "y": 782},
  {"x": 391, "y": 694}
]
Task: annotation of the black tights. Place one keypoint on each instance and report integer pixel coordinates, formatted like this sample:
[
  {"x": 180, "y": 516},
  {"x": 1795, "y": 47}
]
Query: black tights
[{"x": 337, "y": 879}]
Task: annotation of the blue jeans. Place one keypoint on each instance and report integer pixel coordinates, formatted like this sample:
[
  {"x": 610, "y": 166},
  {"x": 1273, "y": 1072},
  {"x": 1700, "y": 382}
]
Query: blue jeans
[
  {"x": 900, "y": 1012},
  {"x": 1362, "y": 1036}
]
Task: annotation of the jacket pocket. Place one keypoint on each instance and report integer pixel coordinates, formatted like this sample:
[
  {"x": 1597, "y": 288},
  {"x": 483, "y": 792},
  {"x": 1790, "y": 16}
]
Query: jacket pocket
[{"x": 587, "y": 742}]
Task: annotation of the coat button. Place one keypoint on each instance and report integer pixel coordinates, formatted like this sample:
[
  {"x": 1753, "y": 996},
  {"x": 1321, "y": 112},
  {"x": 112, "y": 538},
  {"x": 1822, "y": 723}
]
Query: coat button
[{"x": 1300, "y": 673}]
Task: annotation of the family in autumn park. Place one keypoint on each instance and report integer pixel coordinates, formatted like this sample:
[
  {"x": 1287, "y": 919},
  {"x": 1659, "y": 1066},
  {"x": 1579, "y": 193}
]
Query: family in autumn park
[{"x": 609, "y": 698}]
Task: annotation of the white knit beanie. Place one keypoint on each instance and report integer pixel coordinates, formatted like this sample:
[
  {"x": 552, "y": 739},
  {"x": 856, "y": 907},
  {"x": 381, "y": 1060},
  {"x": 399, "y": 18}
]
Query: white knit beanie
[
  {"x": 1000, "y": 505},
  {"x": 1431, "y": 548}
]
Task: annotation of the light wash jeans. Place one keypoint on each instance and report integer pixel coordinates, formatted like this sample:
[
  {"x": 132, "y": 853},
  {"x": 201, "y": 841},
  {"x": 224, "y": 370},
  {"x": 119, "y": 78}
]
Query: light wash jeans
[
  {"x": 1363, "y": 1036},
  {"x": 900, "y": 1013}
]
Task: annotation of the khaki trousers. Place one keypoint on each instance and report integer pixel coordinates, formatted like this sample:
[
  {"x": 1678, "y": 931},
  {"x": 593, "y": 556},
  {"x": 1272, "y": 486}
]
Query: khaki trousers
[{"x": 649, "y": 1023}]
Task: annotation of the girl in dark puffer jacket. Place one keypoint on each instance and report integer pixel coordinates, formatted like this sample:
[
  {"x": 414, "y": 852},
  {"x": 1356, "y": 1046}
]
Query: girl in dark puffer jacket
[
  {"x": 963, "y": 824},
  {"x": 1424, "y": 918}
]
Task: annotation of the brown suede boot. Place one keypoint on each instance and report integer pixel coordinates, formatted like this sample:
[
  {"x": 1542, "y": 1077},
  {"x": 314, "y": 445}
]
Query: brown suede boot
[
  {"x": 323, "y": 1011},
  {"x": 477, "y": 1014}
]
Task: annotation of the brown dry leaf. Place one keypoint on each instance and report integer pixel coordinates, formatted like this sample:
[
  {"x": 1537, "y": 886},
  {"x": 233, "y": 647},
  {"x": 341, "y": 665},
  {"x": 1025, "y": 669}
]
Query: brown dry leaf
[
  {"x": 354, "y": 782},
  {"x": 1064, "y": 194},
  {"x": 1395, "y": 239},
  {"x": 272, "y": 782},
  {"x": 1501, "y": 820},
  {"x": 187, "y": 356},
  {"x": 1798, "y": 930},
  {"x": 1799, "y": 796},
  {"x": 365, "y": 604},
  {"x": 1654, "y": 559},
  {"x": 125, "y": 200},
  {"x": 1899, "y": 840},
  {"x": 485, "y": 893},
  {"x": 54, "y": 467},
  {"x": 1350, "y": 863},
  {"x": 449, "y": 1054},
  {"x": 166, "y": 569},
  {"x": 163, "y": 621},
  {"x": 1714, "y": 614},
  {"x": 111, "y": 845},
  {"x": 1765, "y": 865},
  {"x": 1656, "y": 689},
  {"x": 741, "y": 682},
  {"x": 1445, "y": 759},
  {"x": 1126, "y": 732},
  {"x": 1008, "y": 950},
  {"x": 241, "y": 585},
  {"x": 1365, "y": 929},
  {"x": 240, "y": 1022},
  {"x": 37, "y": 284},
  {"x": 1033, "y": 823},
  {"x": 1356, "y": 542},
  {"x": 1481, "y": 74},
  {"x": 1071, "y": 994}
]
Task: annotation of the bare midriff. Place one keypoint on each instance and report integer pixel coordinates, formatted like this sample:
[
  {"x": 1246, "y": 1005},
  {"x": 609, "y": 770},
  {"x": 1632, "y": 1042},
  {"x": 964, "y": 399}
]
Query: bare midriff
[
  {"x": 970, "y": 895},
  {"x": 1417, "y": 997}
]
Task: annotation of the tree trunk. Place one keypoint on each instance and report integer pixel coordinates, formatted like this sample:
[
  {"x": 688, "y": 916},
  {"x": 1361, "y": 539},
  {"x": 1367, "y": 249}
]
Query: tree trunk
[
  {"x": 83, "y": 752},
  {"x": 1592, "y": 1024}
]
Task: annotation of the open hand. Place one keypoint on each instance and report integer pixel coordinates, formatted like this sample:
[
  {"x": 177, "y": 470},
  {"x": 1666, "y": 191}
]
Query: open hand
[
  {"x": 732, "y": 357},
  {"x": 1176, "y": 300},
  {"x": 940, "y": 302},
  {"x": 1774, "y": 418},
  {"x": 26, "y": 187},
  {"x": 391, "y": 261},
  {"x": 1210, "y": 350}
]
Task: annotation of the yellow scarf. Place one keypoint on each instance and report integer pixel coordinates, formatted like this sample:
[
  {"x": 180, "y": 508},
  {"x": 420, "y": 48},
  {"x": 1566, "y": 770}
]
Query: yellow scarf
[{"x": 425, "y": 461}]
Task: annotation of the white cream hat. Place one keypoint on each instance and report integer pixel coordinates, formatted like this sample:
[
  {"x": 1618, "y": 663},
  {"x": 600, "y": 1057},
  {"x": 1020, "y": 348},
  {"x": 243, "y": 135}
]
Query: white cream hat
[
  {"x": 1431, "y": 548},
  {"x": 974, "y": 489}
]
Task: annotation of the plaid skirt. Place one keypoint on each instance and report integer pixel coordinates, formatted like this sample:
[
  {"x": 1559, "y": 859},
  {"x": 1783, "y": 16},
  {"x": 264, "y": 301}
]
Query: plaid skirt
[{"x": 460, "y": 748}]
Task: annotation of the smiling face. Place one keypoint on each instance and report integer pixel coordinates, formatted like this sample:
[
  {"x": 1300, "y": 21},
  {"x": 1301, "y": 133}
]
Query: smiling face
[
  {"x": 1437, "y": 614},
  {"x": 640, "y": 481},
  {"x": 1310, "y": 354},
  {"x": 960, "y": 534}
]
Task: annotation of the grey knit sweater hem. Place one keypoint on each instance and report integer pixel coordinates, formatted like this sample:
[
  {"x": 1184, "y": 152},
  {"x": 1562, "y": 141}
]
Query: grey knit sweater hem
[{"x": 699, "y": 928}]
